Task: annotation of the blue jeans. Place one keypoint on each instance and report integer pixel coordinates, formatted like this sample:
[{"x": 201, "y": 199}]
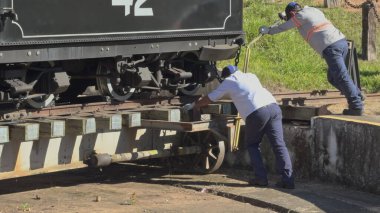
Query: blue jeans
[
  {"x": 338, "y": 75},
  {"x": 267, "y": 120}
]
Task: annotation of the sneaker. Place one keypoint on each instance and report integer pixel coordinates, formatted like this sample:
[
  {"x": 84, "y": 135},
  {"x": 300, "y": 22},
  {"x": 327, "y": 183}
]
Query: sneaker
[
  {"x": 354, "y": 112},
  {"x": 257, "y": 182},
  {"x": 285, "y": 185}
]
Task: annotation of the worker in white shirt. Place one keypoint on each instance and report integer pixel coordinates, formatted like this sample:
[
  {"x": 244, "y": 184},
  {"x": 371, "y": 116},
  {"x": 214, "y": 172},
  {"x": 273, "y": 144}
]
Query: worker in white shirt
[
  {"x": 329, "y": 42},
  {"x": 262, "y": 116}
]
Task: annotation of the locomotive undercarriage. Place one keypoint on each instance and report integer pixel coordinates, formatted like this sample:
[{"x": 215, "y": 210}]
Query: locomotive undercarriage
[
  {"x": 42, "y": 84},
  {"x": 34, "y": 84}
]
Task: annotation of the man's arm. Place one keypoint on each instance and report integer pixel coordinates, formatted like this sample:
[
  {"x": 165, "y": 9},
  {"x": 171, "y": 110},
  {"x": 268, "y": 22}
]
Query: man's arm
[
  {"x": 202, "y": 101},
  {"x": 281, "y": 28},
  {"x": 213, "y": 96}
]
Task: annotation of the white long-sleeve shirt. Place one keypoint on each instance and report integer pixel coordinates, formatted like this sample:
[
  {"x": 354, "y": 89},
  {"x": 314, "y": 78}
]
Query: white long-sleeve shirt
[
  {"x": 246, "y": 92},
  {"x": 314, "y": 27}
]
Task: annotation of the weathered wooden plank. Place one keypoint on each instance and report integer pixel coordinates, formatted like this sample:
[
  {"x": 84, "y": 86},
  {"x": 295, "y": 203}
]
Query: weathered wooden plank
[
  {"x": 109, "y": 122},
  {"x": 131, "y": 119},
  {"x": 212, "y": 109},
  {"x": 179, "y": 126},
  {"x": 173, "y": 115},
  {"x": 80, "y": 125},
  {"x": 332, "y": 3},
  {"x": 4, "y": 134},
  {"x": 369, "y": 32},
  {"x": 24, "y": 132},
  {"x": 218, "y": 108},
  {"x": 52, "y": 128}
]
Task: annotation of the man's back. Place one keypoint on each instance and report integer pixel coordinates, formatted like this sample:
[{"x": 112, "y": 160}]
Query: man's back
[
  {"x": 245, "y": 90},
  {"x": 316, "y": 29}
]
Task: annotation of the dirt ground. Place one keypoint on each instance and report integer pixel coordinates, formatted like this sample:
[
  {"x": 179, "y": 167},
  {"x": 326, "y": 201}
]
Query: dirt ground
[
  {"x": 116, "y": 189},
  {"x": 147, "y": 188}
]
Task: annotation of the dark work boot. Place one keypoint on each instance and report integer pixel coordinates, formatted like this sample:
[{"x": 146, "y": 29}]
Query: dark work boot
[
  {"x": 285, "y": 185},
  {"x": 354, "y": 112},
  {"x": 257, "y": 182},
  {"x": 362, "y": 96}
]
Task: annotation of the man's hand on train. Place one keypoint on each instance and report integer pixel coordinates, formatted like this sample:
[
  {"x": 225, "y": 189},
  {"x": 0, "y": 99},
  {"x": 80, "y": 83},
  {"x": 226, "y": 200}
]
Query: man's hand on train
[
  {"x": 264, "y": 30},
  {"x": 188, "y": 107}
]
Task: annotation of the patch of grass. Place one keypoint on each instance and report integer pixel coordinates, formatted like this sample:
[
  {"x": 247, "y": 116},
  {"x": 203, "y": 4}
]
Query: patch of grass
[
  {"x": 25, "y": 207},
  {"x": 131, "y": 201},
  {"x": 286, "y": 60}
]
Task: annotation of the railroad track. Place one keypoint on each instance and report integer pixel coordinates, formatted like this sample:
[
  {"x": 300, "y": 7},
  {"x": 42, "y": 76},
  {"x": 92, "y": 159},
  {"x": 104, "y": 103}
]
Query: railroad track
[
  {"x": 93, "y": 107},
  {"x": 316, "y": 99}
]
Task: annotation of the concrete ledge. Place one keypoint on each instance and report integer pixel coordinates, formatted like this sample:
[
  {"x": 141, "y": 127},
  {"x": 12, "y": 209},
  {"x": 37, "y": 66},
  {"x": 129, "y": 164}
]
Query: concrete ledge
[
  {"x": 348, "y": 151},
  {"x": 336, "y": 149},
  {"x": 300, "y": 142}
]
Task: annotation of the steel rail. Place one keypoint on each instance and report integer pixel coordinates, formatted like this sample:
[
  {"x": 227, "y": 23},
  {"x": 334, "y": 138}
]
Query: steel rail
[
  {"x": 93, "y": 107},
  {"x": 320, "y": 100}
]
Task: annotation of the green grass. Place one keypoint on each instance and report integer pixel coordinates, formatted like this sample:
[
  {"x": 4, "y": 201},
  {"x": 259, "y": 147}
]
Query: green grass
[{"x": 286, "y": 61}]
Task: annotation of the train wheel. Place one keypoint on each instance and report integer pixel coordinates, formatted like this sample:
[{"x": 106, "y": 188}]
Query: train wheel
[
  {"x": 41, "y": 102},
  {"x": 109, "y": 82},
  {"x": 211, "y": 157},
  {"x": 190, "y": 60}
]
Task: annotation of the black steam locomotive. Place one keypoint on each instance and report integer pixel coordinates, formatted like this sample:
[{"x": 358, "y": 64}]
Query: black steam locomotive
[{"x": 54, "y": 49}]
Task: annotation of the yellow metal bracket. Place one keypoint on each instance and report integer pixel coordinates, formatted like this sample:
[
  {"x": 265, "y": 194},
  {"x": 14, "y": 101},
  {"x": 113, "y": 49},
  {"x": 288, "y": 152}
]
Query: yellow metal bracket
[{"x": 235, "y": 142}]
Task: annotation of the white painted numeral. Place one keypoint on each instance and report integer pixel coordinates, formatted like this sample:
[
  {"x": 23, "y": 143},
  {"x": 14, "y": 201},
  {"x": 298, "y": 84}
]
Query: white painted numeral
[
  {"x": 138, "y": 10},
  {"x": 126, "y": 3},
  {"x": 142, "y": 11}
]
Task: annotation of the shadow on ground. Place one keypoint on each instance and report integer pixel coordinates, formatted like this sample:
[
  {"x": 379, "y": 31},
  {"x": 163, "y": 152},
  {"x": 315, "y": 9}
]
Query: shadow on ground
[{"x": 323, "y": 197}]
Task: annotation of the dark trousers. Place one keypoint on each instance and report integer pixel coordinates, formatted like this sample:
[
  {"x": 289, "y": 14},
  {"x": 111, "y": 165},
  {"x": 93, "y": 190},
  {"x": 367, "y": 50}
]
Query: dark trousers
[
  {"x": 267, "y": 120},
  {"x": 338, "y": 75}
]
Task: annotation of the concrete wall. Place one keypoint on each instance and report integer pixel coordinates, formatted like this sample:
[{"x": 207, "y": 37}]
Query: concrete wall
[
  {"x": 300, "y": 142},
  {"x": 348, "y": 152},
  {"x": 331, "y": 150}
]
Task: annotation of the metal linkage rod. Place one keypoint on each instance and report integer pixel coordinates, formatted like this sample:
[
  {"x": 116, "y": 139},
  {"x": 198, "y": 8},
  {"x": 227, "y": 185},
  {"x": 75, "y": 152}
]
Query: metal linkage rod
[{"x": 101, "y": 160}]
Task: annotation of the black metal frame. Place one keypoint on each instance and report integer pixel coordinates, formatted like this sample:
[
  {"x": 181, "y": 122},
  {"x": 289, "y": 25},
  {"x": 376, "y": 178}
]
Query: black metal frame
[{"x": 352, "y": 63}]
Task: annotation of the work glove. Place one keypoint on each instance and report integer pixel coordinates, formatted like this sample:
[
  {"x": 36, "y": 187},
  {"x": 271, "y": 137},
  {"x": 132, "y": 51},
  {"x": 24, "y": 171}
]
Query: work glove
[
  {"x": 282, "y": 16},
  {"x": 188, "y": 107},
  {"x": 264, "y": 30}
]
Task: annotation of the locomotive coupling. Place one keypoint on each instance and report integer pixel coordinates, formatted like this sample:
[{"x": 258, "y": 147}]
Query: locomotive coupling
[
  {"x": 5, "y": 14},
  {"x": 8, "y": 13}
]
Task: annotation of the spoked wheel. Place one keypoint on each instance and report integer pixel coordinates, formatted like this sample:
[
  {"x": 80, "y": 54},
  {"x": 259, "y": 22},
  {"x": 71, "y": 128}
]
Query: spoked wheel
[
  {"x": 109, "y": 82},
  {"x": 211, "y": 157},
  {"x": 41, "y": 102}
]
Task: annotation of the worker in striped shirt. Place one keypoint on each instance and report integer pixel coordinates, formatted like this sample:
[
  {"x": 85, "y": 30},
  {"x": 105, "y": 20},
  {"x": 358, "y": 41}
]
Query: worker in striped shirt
[{"x": 329, "y": 42}]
